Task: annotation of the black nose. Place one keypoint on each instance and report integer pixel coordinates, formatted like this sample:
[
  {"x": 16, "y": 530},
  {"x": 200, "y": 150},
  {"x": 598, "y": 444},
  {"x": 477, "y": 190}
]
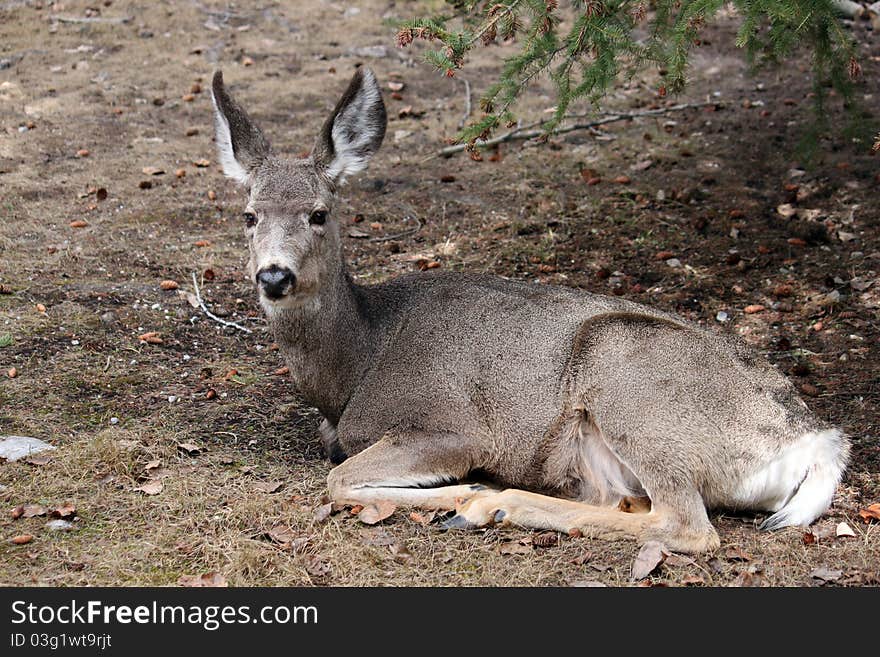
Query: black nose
[{"x": 276, "y": 281}]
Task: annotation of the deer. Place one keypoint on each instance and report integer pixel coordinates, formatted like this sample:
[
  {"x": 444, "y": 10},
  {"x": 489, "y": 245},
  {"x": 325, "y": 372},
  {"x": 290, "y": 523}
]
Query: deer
[{"x": 571, "y": 406}]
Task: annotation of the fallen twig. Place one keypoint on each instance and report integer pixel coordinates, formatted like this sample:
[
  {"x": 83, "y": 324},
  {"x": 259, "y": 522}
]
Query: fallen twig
[
  {"x": 212, "y": 315},
  {"x": 467, "y": 104},
  {"x": 397, "y": 236},
  {"x": 91, "y": 19},
  {"x": 524, "y": 132}
]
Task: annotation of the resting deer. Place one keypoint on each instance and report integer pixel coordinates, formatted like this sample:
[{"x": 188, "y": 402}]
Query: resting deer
[{"x": 573, "y": 400}]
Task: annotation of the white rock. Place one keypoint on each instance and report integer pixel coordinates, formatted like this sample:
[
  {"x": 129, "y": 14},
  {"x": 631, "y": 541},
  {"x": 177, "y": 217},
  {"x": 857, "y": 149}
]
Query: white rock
[
  {"x": 60, "y": 526},
  {"x": 722, "y": 316},
  {"x": 674, "y": 262},
  {"x": 13, "y": 448}
]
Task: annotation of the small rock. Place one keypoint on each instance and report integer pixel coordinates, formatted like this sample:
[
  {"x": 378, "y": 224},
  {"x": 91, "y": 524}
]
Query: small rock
[
  {"x": 674, "y": 262},
  {"x": 60, "y": 526},
  {"x": 114, "y": 420},
  {"x": 13, "y": 448},
  {"x": 722, "y": 316},
  {"x": 109, "y": 317}
]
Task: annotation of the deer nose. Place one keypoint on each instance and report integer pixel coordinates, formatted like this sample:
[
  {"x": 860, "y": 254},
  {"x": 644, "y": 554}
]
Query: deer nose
[{"x": 276, "y": 281}]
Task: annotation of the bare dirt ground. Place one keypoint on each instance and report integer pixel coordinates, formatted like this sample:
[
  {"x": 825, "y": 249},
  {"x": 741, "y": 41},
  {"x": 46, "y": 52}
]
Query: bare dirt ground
[{"x": 87, "y": 107}]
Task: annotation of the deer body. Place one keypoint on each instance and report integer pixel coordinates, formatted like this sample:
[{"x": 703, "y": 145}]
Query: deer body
[{"x": 573, "y": 400}]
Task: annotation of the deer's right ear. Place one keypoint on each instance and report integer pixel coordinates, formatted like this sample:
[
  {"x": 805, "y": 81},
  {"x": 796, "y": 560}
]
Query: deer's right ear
[{"x": 240, "y": 142}]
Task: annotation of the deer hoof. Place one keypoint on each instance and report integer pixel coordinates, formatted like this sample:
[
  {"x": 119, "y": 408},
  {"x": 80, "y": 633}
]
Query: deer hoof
[{"x": 457, "y": 522}]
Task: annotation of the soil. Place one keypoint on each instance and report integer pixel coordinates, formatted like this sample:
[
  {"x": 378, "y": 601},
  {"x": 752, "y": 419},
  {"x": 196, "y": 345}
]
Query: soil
[{"x": 718, "y": 214}]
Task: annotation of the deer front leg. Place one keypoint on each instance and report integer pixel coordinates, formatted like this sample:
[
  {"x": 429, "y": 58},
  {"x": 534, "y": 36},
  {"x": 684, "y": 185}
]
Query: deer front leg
[{"x": 416, "y": 473}]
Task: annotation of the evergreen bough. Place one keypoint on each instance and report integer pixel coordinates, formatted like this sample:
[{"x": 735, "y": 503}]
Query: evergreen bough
[{"x": 586, "y": 46}]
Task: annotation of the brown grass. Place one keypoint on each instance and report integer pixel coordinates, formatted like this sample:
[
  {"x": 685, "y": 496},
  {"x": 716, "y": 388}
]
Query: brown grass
[{"x": 77, "y": 371}]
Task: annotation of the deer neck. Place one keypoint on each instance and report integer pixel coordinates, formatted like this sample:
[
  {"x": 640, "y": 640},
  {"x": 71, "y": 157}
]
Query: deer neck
[{"x": 327, "y": 343}]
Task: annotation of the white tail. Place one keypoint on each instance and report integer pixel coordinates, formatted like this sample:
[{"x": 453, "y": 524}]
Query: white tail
[{"x": 828, "y": 452}]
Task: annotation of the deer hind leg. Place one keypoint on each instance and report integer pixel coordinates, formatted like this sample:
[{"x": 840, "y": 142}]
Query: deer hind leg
[
  {"x": 414, "y": 474},
  {"x": 678, "y": 521}
]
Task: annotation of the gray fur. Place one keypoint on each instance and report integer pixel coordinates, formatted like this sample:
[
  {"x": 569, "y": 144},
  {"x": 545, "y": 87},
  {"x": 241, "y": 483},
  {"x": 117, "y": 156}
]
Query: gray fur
[{"x": 539, "y": 387}]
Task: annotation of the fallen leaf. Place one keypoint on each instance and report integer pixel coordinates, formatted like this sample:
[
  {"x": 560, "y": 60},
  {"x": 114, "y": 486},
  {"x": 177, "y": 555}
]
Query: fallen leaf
[
  {"x": 581, "y": 559},
  {"x": 152, "y": 171},
  {"x": 373, "y": 513},
  {"x": 38, "y": 459},
  {"x": 191, "y": 298},
  {"x": 664, "y": 255},
  {"x": 396, "y": 86},
  {"x": 650, "y": 556},
  {"x": 423, "y": 518},
  {"x": 180, "y": 173},
  {"x": 826, "y": 574},
  {"x": 22, "y": 539},
  {"x": 734, "y": 553},
  {"x": 78, "y": 223},
  {"x": 282, "y": 371},
  {"x": 323, "y": 512},
  {"x": 677, "y": 560},
  {"x": 747, "y": 579},
  {"x": 754, "y": 308},
  {"x": 202, "y": 243},
  {"x": 12, "y": 372},
  {"x": 622, "y": 180},
  {"x": 843, "y": 529},
  {"x": 691, "y": 580},
  {"x": 871, "y": 513},
  {"x": 152, "y": 465},
  {"x": 400, "y": 553},
  {"x": 17, "y": 512},
  {"x": 318, "y": 567},
  {"x": 31, "y": 510},
  {"x": 151, "y": 487},
  {"x": 169, "y": 285},
  {"x": 64, "y": 511},
  {"x": 82, "y": 152},
  {"x": 190, "y": 449},
  {"x": 268, "y": 486},
  {"x": 588, "y": 584},
  {"x": 212, "y": 579},
  {"x": 281, "y": 534},
  {"x": 202, "y": 163},
  {"x": 514, "y": 548}
]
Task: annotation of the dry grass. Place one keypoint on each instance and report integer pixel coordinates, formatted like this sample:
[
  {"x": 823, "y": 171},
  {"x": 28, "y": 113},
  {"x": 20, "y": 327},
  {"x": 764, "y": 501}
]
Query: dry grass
[{"x": 77, "y": 370}]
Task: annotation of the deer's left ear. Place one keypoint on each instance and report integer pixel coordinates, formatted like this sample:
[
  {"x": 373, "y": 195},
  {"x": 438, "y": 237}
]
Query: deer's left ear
[
  {"x": 355, "y": 129},
  {"x": 241, "y": 144}
]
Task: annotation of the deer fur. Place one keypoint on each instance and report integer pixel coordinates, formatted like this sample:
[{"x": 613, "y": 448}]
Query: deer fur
[{"x": 572, "y": 400}]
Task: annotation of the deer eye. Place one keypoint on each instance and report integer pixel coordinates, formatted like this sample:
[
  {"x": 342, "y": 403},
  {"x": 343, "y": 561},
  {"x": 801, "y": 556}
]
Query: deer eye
[
  {"x": 318, "y": 217},
  {"x": 250, "y": 219}
]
